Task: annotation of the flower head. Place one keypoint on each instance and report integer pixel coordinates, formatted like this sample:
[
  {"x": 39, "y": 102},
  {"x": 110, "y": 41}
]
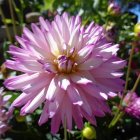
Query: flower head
[
  {"x": 3, "y": 113},
  {"x": 69, "y": 68},
  {"x": 132, "y": 104},
  {"x": 114, "y": 8}
]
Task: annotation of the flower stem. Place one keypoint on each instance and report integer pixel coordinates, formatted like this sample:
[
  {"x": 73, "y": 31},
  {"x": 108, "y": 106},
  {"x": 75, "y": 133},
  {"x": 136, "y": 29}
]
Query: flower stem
[
  {"x": 6, "y": 26},
  {"x": 12, "y": 16},
  {"x": 65, "y": 129},
  {"x": 136, "y": 84},
  {"x": 116, "y": 118},
  {"x": 82, "y": 138},
  {"x": 129, "y": 68}
]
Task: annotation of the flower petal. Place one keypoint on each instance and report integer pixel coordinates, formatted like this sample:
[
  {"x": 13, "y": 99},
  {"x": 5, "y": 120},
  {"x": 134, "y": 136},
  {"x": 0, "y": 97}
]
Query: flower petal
[{"x": 74, "y": 96}]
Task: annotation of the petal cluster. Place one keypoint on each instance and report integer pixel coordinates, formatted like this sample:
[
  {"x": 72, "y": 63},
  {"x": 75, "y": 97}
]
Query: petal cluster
[
  {"x": 132, "y": 104},
  {"x": 3, "y": 113},
  {"x": 69, "y": 68}
]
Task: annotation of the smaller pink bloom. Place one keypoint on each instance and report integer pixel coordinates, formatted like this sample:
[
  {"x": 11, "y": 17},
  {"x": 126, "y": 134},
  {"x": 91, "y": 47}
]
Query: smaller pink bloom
[
  {"x": 4, "y": 115},
  {"x": 132, "y": 104}
]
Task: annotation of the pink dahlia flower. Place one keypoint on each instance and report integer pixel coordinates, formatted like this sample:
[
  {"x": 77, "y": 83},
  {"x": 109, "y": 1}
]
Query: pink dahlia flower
[
  {"x": 4, "y": 116},
  {"x": 69, "y": 68},
  {"x": 131, "y": 103}
]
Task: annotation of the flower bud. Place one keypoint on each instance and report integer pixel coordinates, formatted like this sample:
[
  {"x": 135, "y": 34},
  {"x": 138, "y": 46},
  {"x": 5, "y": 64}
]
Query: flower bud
[
  {"x": 89, "y": 132},
  {"x": 20, "y": 118},
  {"x": 137, "y": 30},
  {"x": 114, "y": 9}
]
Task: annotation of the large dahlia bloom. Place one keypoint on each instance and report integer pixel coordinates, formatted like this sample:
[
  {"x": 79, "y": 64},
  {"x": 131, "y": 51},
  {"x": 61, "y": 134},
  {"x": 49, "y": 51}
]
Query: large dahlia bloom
[
  {"x": 4, "y": 115},
  {"x": 69, "y": 68}
]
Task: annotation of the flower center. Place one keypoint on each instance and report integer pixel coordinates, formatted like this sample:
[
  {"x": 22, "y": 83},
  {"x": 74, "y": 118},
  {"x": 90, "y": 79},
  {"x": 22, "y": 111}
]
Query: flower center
[
  {"x": 65, "y": 64},
  {"x": 62, "y": 64}
]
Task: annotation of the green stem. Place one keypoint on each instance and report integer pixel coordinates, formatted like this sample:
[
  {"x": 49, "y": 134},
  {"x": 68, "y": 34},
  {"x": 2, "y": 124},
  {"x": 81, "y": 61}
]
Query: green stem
[
  {"x": 116, "y": 118},
  {"x": 129, "y": 68},
  {"x": 136, "y": 84},
  {"x": 6, "y": 26},
  {"x": 65, "y": 129},
  {"x": 12, "y": 16}
]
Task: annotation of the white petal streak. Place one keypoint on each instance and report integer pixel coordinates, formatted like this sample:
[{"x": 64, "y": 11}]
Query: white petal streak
[
  {"x": 52, "y": 44},
  {"x": 52, "y": 89},
  {"x": 36, "y": 101},
  {"x": 20, "y": 81},
  {"x": 63, "y": 82},
  {"x": 74, "y": 37},
  {"x": 84, "y": 53},
  {"x": 82, "y": 78}
]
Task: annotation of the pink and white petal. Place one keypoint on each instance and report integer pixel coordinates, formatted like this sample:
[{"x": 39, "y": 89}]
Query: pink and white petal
[
  {"x": 29, "y": 35},
  {"x": 96, "y": 108},
  {"x": 89, "y": 27},
  {"x": 91, "y": 63},
  {"x": 67, "y": 113},
  {"x": 20, "y": 53},
  {"x": 91, "y": 118},
  {"x": 92, "y": 90},
  {"x": 82, "y": 78},
  {"x": 20, "y": 81},
  {"x": 77, "y": 116},
  {"x": 38, "y": 32},
  {"x": 65, "y": 17},
  {"x": 37, "y": 101},
  {"x": 85, "y": 105},
  {"x": 22, "y": 112},
  {"x": 32, "y": 65},
  {"x": 111, "y": 84},
  {"x": 52, "y": 89},
  {"x": 21, "y": 42},
  {"x": 74, "y": 37},
  {"x": 63, "y": 82},
  {"x": 55, "y": 106},
  {"x": 45, "y": 25},
  {"x": 84, "y": 53},
  {"x": 58, "y": 21},
  {"x": 74, "y": 96},
  {"x": 65, "y": 29},
  {"x": 35, "y": 85},
  {"x": 108, "y": 52},
  {"x": 23, "y": 99},
  {"x": 44, "y": 115},
  {"x": 104, "y": 72},
  {"x": 112, "y": 94},
  {"x": 55, "y": 123},
  {"x": 114, "y": 64},
  {"x": 57, "y": 36},
  {"x": 52, "y": 44},
  {"x": 15, "y": 65},
  {"x": 104, "y": 95}
]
